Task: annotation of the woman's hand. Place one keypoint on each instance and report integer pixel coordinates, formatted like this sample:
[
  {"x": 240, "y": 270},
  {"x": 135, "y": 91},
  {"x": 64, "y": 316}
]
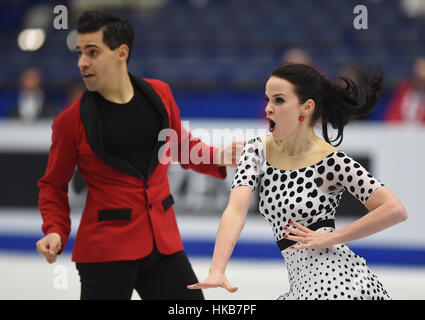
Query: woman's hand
[
  {"x": 214, "y": 280},
  {"x": 309, "y": 239}
]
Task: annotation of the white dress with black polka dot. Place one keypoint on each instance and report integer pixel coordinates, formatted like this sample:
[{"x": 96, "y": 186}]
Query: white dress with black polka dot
[{"x": 310, "y": 196}]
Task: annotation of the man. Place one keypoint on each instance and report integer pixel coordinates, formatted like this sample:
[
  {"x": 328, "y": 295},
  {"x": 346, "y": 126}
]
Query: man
[
  {"x": 32, "y": 104},
  {"x": 128, "y": 236},
  {"x": 408, "y": 101}
]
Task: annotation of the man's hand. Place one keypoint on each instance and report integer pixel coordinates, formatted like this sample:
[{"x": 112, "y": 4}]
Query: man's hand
[
  {"x": 49, "y": 246},
  {"x": 229, "y": 155}
]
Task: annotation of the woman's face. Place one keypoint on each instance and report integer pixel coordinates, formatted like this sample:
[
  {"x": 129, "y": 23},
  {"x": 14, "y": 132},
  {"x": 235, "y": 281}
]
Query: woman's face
[{"x": 283, "y": 108}]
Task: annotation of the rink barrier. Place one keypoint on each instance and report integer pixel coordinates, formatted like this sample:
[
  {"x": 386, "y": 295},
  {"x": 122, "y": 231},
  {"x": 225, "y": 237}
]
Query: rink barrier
[{"x": 374, "y": 255}]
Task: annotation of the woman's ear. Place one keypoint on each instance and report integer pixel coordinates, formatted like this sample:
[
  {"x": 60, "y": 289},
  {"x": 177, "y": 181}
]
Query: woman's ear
[{"x": 308, "y": 107}]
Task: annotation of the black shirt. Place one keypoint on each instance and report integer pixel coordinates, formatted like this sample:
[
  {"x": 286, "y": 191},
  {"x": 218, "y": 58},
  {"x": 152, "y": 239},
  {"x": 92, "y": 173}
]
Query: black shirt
[{"x": 130, "y": 130}]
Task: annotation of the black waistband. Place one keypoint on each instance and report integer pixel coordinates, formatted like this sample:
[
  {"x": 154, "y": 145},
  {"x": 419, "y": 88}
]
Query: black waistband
[{"x": 285, "y": 243}]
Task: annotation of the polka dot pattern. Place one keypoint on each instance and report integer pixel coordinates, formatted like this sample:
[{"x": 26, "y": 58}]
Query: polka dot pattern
[
  {"x": 309, "y": 195},
  {"x": 250, "y": 166},
  {"x": 336, "y": 273}
]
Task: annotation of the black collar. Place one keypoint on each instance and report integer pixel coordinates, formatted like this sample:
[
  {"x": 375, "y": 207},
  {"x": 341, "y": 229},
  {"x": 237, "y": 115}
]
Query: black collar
[{"x": 92, "y": 126}]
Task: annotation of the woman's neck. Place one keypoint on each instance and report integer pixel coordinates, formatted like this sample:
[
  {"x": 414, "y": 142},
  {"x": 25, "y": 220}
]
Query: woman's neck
[{"x": 299, "y": 144}]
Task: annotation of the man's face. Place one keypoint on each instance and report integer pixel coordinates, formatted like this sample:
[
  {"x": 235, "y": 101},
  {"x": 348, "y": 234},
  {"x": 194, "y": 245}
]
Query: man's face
[
  {"x": 98, "y": 64},
  {"x": 31, "y": 79}
]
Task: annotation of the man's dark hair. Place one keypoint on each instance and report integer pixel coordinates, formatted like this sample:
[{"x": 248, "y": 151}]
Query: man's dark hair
[{"x": 116, "y": 30}]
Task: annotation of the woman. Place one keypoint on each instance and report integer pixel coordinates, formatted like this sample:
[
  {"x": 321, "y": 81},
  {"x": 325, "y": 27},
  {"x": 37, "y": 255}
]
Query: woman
[{"x": 301, "y": 179}]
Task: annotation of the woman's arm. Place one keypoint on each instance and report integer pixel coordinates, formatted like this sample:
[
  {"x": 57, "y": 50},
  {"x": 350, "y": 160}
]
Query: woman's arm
[
  {"x": 385, "y": 211},
  {"x": 231, "y": 225}
]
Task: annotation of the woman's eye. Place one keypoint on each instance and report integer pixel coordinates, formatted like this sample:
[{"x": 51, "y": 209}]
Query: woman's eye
[
  {"x": 93, "y": 53},
  {"x": 279, "y": 100},
  {"x": 266, "y": 99}
]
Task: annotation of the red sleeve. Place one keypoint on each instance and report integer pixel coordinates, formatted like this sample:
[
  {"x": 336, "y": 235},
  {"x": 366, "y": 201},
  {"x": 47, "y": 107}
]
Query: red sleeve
[
  {"x": 192, "y": 152},
  {"x": 53, "y": 195}
]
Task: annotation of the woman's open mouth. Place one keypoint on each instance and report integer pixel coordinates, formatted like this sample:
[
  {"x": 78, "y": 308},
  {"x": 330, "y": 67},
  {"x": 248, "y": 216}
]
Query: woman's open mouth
[{"x": 272, "y": 124}]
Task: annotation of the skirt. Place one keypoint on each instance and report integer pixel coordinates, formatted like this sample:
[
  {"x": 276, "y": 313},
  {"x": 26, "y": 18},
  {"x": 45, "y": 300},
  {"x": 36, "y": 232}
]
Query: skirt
[{"x": 335, "y": 273}]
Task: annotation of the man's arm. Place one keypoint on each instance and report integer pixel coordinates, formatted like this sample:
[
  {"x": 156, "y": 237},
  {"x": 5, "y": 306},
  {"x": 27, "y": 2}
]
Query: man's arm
[
  {"x": 196, "y": 155},
  {"x": 53, "y": 196}
]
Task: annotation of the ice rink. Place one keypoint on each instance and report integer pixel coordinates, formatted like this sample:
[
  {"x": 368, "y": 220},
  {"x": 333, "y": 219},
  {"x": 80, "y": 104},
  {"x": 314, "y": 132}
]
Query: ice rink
[
  {"x": 25, "y": 275},
  {"x": 29, "y": 276}
]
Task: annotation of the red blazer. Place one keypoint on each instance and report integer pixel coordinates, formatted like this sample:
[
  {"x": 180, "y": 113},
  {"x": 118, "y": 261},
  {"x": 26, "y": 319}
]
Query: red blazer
[{"x": 124, "y": 211}]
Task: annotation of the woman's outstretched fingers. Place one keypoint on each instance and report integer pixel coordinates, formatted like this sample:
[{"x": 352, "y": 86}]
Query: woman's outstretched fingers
[
  {"x": 203, "y": 285},
  {"x": 296, "y": 232},
  {"x": 299, "y": 226},
  {"x": 193, "y": 286},
  {"x": 293, "y": 238},
  {"x": 229, "y": 288}
]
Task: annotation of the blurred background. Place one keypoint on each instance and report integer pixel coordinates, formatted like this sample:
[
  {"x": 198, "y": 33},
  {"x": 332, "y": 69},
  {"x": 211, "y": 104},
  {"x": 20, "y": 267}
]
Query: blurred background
[{"x": 217, "y": 56}]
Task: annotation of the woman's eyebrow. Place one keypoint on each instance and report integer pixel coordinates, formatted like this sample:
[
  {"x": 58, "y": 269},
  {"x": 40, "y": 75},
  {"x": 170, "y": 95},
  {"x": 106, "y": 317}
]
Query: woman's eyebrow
[{"x": 277, "y": 94}]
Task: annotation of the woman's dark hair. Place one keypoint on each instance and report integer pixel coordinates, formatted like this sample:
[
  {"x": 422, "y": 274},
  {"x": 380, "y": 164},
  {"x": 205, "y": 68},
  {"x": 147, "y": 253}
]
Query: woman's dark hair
[
  {"x": 116, "y": 30},
  {"x": 335, "y": 104}
]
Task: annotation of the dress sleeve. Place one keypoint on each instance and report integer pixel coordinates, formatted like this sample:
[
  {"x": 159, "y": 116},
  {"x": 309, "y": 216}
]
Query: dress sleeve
[
  {"x": 354, "y": 177},
  {"x": 250, "y": 163}
]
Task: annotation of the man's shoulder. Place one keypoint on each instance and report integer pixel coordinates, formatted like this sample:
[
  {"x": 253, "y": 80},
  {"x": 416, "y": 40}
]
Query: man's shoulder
[
  {"x": 71, "y": 112},
  {"x": 161, "y": 87},
  {"x": 156, "y": 82}
]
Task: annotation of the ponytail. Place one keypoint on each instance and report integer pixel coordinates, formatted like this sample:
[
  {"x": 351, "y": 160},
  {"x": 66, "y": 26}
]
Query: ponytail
[{"x": 341, "y": 103}]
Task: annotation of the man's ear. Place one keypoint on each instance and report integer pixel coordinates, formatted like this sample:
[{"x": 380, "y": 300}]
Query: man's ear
[{"x": 123, "y": 52}]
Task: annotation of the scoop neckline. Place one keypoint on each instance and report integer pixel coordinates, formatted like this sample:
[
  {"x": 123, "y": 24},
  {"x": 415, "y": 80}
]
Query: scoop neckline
[{"x": 283, "y": 170}]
